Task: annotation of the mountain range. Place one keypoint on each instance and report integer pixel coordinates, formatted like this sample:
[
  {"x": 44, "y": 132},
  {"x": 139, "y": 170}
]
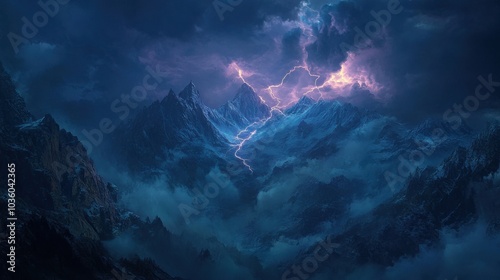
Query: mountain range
[{"x": 285, "y": 178}]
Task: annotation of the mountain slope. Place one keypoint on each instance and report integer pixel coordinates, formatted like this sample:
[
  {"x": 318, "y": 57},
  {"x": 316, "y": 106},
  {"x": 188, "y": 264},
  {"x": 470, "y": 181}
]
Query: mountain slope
[
  {"x": 450, "y": 196},
  {"x": 176, "y": 125},
  {"x": 317, "y": 168},
  {"x": 245, "y": 108},
  {"x": 63, "y": 207}
]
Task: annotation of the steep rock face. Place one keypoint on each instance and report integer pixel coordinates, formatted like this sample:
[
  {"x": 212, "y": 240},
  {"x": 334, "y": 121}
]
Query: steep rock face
[
  {"x": 54, "y": 172},
  {"x": 184, "y": 118},
  {"x": 249, "y": 104},
  {"x": 243, "y": 110},
  {"x": 12, "y": 107},
  {"x": 176, "y": 125},
  {"x": 64, "y": 208}
]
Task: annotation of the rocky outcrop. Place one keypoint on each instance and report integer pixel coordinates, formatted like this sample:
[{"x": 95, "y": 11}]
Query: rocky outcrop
[
  {"x": 54, "y": 174},
  {"x": 64, "y": 208}
]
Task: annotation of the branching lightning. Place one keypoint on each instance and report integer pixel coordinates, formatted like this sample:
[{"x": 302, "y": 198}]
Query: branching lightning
[
  {"x": 241, "y": 140},
  {"x": 241, "y": 75},
  {"x": 338, "y": 82},
  {"x": 251, "y": 129},
  {"x": 240, "y": 146}
]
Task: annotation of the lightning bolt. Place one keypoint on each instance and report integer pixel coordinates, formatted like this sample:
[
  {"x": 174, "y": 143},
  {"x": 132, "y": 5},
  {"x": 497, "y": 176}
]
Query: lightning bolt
[
  {"x": 273, "y": 95},
  {"x": 240, "y": 139},
  {"x": 304, "y": 67},
  {"x": 340, "y": 80},
  {"x": 240, "y": 75},
  {"x": 240, "y": 146},
  {"x": 252, "y": 128}
]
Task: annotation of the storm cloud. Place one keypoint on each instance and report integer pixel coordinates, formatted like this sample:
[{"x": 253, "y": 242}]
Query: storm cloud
[{"x": 89, "y": 53}]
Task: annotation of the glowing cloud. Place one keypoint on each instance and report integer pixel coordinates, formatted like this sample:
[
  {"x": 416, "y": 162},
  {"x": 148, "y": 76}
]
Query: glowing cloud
[{"x": 350, "y": 73}]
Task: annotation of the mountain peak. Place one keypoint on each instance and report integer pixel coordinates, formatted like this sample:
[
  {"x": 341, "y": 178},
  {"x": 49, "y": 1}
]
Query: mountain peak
[
  {"x": 249, "y": 104},
  {"x": 306, "y": 100},
  {"x": 246, "y": 94},
  {"x": 300, "y": 106},
  {"x": 189, "y": 91},
  {"x": 169, "y": 97},
  {"x": 246, "y": 87}
]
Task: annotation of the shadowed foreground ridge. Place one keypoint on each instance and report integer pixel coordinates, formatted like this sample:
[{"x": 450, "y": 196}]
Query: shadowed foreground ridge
[{"x": 64, "y": 207}]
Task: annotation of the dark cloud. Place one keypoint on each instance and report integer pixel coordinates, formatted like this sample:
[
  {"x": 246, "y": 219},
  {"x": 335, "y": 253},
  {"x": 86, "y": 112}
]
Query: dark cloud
[
  {"x": 92, "y": 50},
  {"x": 427, "y": 58},
  {"x": 248, "y": 16},
  {"x": 437, "y": 51},
  {"x": 292, "y": 49},
  {"x": 335, "y": 28}
]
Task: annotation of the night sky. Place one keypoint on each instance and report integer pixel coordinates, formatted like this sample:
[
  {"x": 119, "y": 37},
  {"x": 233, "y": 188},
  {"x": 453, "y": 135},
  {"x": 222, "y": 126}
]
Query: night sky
[
  {"x": 405, "y": 65},
  {"x": 426, "y": 57}
]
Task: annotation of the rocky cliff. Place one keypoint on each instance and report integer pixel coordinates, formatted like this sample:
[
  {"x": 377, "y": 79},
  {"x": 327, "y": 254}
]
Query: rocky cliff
[{"x": 64, "y": 208}]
